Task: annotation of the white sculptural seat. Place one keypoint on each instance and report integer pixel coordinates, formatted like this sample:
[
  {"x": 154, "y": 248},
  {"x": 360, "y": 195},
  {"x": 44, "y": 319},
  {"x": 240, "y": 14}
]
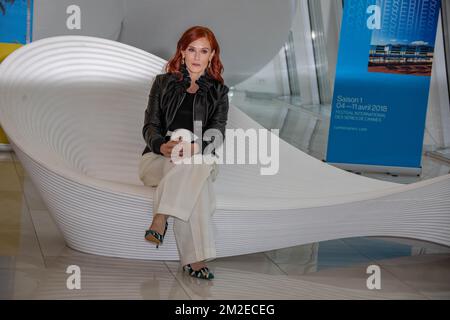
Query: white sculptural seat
[{"x": 73, "y": 108}]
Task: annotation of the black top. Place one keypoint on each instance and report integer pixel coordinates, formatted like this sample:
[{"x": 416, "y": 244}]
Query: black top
[{"x": 184, "y": 116}]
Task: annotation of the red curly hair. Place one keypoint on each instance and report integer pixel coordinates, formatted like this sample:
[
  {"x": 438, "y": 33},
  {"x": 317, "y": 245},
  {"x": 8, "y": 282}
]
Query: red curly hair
[{"x": 190, "y": 35}]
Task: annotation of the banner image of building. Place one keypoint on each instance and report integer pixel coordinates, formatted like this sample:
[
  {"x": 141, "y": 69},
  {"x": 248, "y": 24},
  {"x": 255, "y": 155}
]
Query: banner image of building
[{"x": 404, "y": 43}]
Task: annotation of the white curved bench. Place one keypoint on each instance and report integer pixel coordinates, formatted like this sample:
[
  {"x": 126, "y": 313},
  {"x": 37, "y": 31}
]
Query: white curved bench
[{"x": 73, "y": 108}]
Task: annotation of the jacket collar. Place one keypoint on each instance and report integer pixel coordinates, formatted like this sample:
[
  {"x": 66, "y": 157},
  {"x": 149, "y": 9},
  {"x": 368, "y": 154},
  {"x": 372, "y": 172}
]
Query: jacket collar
[{"x": 205, "y": 81}]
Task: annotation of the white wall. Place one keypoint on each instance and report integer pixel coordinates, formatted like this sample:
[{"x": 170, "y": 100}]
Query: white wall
[
  {"x": 270, "y": 80},
  {"x": 250, "y": 32},
  {"x": 99, "y": 18}
]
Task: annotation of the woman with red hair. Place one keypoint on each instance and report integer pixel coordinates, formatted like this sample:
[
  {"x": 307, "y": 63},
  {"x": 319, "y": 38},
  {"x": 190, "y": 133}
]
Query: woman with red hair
[{"x": 191, "y": 96}]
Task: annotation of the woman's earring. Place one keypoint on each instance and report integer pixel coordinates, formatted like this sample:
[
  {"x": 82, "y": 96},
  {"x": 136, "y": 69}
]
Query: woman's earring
[
  {"x": 182, "y": 60},
  {"x": 209, "y": 64}
]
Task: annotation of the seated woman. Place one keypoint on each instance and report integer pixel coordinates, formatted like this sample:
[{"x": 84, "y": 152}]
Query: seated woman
[{"x": 191, "y": 91}]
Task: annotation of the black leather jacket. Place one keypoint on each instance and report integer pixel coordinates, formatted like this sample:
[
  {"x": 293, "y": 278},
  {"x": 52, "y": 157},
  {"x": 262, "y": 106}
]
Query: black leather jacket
[{"x": 166, "y": 96}]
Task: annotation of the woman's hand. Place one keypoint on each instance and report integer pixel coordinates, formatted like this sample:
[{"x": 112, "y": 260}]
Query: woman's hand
[
  {"x": 195, "y": 148},
  {"x": 166, "y": 148}
]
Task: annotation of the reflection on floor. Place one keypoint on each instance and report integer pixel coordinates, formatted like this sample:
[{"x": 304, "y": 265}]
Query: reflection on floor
[{"x": 34, "y": 257}]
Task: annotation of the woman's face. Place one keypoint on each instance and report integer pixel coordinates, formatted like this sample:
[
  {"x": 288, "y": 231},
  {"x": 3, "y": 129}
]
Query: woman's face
[{"x": 197, "y": 55}]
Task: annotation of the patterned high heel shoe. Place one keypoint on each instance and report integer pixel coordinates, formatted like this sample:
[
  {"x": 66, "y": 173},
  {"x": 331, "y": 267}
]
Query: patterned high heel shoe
[
  {"x": 202, "y": 273},
  {"x": 156, "y": 237}
]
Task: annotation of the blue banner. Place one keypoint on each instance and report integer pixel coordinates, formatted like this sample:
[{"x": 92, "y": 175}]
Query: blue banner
[
  {"x": 16, "y": 21},
  {"x": 382, "y": 82}
]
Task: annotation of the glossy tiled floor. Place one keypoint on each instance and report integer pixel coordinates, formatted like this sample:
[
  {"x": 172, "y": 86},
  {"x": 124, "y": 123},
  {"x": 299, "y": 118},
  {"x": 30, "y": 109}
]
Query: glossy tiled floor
[{"x": 34, "y": 257}]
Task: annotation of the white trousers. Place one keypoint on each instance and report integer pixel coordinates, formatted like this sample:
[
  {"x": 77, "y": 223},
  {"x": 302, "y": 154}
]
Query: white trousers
[{"x": 185, "y": 192}]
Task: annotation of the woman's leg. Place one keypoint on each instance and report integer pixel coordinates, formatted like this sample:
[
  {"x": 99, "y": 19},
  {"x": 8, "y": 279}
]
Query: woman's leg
[
  {"x": 152, "y": 169},
  {"x": 177, "y": 193},
  {"x": 195, "y": 237},
  {"x": 186, "y": 193}
]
